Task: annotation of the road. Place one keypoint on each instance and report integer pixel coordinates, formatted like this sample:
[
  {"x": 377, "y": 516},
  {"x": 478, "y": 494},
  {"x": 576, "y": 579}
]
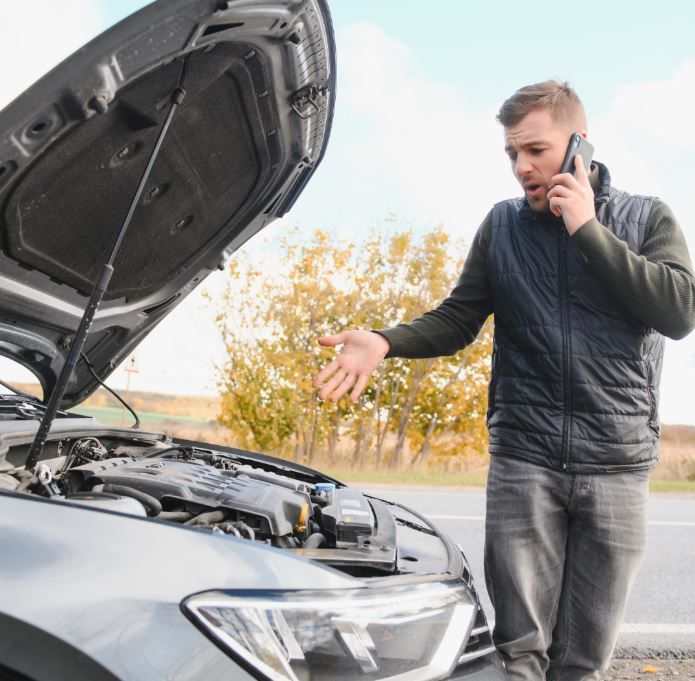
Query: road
[{"x": 660, "y": 618}]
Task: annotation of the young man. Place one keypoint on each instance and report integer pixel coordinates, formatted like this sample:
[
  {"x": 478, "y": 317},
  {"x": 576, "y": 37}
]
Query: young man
[{"x": 584, "y": 281}]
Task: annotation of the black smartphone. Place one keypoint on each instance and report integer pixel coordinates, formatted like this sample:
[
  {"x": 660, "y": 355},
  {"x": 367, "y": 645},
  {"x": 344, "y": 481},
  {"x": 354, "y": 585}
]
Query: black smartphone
[{"x": 577, "y": 145}]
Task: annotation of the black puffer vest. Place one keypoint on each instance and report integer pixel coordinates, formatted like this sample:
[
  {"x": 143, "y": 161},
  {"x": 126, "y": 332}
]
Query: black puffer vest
[{"x": 575, "y": 379}]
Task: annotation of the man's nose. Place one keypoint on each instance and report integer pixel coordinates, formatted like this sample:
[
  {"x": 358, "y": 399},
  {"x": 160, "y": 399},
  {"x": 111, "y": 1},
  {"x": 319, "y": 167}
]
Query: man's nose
[{"x": 523, "y": 165}]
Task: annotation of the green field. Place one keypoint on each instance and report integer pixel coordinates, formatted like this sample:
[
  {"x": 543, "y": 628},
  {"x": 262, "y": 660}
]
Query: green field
[{"x": 118, "y": 416}]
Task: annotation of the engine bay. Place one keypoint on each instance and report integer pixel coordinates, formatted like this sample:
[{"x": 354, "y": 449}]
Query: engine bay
[{"x": 222, "y": 492}]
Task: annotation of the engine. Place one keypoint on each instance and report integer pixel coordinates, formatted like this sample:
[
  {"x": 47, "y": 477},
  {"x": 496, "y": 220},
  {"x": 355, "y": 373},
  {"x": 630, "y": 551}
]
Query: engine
[
  {"x": 212, "y": 491},
  {"x": 238, "y": 500}
]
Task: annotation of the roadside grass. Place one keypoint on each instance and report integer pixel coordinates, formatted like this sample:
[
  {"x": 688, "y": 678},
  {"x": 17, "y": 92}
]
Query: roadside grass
[
  {"x": 433, "y": 479},
  {"x": 407, "y": 477},
  {"x": 672, "y": 485}
]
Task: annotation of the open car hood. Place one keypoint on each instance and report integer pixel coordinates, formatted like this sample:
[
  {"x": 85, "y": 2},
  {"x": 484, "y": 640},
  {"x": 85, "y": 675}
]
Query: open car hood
[{"x": 260, "y": 84}]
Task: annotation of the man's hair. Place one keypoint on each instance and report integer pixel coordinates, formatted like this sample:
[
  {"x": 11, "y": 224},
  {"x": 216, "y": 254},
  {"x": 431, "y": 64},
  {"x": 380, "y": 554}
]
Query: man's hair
[{"x": 555, "y": 96}]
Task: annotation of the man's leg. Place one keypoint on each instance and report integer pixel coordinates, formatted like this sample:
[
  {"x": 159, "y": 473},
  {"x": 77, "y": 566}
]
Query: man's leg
[
  {"x": 605, "y": 546},
  {"x": 525, "y": 538}
]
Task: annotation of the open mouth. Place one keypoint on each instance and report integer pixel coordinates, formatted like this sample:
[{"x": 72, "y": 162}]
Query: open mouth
[{"x": 534, "y": 190}]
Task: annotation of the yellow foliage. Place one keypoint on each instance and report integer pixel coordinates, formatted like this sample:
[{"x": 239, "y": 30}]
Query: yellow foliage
[{"x": 411, "y": 412}]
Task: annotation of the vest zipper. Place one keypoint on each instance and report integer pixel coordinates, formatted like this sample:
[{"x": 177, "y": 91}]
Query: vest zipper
[{"x": 566, "y": 366}]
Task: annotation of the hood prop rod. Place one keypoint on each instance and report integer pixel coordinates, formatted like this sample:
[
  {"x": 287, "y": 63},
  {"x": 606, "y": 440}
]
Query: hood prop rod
[{"x": 96, "y": 297}]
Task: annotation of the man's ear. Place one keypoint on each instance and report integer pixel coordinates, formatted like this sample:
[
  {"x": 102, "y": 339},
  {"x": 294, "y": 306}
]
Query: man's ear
[{"x": 583, "y": 133}]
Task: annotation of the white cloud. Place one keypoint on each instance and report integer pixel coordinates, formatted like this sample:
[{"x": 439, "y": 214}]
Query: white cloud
[
  {"x": 36, "y": 36},
  {"x": 661, "y": 110},
  {"x": 647, "y": 136},
  {"x": 419, "y": 135}
]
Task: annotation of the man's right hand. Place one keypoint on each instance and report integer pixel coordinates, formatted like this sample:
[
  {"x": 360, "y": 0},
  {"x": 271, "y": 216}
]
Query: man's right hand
[{"x": 361, "y": 353}]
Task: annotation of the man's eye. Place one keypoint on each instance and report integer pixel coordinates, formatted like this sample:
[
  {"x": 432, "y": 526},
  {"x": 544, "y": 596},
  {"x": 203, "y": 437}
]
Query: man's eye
[
  {"x": 512, "y": 157},
  {"x": 537, "y": 150}
]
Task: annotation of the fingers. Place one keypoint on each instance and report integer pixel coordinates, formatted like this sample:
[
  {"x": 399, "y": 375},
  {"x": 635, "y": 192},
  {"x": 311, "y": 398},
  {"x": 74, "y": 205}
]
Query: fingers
[
  {"x": 559, "y": 190},
  {"x": 327, "y": 389},
  {"x": 582, "y": 175},
  {"x": 347, "y": 383},
  {"x": 327, "y": 371},
  {"x": 332, "y": 341},
  {"x": 348, "y": 369},
  {"x": 563, "y": 180},
  {"x": 359, "y": 387},
  {"x": 556, "y": 204}
]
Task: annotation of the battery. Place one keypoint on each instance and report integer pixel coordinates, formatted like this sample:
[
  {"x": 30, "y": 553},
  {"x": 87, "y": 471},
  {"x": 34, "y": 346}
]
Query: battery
[{"x": 347, "y": 517}]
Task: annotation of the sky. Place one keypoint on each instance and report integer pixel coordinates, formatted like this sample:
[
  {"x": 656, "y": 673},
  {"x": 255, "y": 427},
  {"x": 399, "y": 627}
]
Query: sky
[{"x": 415, "y": 136}]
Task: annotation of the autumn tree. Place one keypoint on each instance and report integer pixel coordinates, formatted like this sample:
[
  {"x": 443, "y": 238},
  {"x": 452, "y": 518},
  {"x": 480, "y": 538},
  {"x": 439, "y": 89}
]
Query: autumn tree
[{"x": 270, "y": 322}]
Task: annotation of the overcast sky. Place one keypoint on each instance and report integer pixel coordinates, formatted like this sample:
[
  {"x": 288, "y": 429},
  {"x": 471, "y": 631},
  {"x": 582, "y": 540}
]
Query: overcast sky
[{"x": 414, "y": 133}]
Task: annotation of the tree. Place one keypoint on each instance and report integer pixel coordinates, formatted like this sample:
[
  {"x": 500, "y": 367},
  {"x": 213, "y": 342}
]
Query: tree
[{"x": 323, "y": 286}]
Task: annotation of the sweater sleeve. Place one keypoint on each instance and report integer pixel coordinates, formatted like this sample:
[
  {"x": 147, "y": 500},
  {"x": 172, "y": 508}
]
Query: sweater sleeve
[
  {"x": 658, "y": 285},
  {"x": 456, "y": 322}
]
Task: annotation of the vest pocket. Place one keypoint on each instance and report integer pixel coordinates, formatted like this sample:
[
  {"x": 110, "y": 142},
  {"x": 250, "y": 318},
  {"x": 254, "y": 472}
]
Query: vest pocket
[
  {"x": 650, "y": 394},
  {"x": 494, "y": 368}
]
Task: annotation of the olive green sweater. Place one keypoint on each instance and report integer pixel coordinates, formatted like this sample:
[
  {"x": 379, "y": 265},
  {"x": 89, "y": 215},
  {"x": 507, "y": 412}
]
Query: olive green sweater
[{"x": 657, "y": 286}]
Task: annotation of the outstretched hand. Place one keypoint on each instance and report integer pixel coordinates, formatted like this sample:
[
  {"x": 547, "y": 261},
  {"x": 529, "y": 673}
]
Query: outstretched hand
[{"x": 360, "y": 355}]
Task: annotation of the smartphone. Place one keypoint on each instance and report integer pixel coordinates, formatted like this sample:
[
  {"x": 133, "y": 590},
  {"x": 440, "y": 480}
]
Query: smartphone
[{"x": 577, "y": 145}]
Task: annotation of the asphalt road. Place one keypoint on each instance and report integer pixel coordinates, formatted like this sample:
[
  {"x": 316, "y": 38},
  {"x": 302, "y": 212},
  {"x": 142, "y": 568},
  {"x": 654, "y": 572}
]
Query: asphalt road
[{"x": 660, "y": 618}]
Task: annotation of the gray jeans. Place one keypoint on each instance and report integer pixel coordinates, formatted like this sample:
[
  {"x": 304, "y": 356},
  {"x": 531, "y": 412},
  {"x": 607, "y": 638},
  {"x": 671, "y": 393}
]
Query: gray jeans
[{"x": 562, "y": 552}]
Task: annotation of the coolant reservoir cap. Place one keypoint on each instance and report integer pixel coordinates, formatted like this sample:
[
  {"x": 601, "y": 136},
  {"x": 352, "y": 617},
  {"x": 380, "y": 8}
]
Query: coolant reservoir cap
[{"x": 324, "y": 487}]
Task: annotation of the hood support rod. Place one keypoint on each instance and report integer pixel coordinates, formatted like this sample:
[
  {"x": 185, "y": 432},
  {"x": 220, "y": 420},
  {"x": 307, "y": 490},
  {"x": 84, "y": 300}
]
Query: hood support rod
[{"x": 96, "y": 297}]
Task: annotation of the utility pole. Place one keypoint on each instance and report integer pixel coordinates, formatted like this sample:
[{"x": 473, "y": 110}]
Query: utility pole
[{"x": 130, "y": 369}]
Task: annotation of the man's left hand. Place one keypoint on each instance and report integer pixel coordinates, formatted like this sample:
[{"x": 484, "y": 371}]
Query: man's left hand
[{"x": 572, "y": 198}]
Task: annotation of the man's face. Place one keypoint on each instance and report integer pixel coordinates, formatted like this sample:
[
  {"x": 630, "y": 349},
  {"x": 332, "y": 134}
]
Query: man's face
[{"x": 536, "y": 147}]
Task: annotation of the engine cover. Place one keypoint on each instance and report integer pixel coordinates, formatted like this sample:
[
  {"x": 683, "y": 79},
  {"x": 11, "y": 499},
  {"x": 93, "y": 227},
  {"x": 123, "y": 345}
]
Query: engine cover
[{"x": 197, "y": 486}]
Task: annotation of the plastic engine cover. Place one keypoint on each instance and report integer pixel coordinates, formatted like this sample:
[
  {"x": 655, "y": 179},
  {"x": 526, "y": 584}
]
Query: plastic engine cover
[{"x": 183, "y": 483}]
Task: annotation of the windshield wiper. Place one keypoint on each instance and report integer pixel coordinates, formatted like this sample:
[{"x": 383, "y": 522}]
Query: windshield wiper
[
  {"x": 414, "y": 526},
  {"x": 17, "y": 391},
  {"x": 25, "y": 406},
  {"x": 98, "y": 293}
]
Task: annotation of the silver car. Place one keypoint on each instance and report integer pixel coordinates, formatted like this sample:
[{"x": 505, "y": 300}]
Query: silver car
[{"x": 128, "y": 174}]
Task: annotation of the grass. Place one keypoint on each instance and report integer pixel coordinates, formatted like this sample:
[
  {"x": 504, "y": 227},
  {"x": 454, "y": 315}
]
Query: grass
[
  {"x": 426, "y": 478},
  {"x": 672, "y": 485},
  {"x": 407, "y": 477},
  {"x": 116, "y": 415}
]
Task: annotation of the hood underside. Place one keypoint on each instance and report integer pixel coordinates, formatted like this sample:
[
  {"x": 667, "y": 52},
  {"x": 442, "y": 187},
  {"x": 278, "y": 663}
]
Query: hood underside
[{"x": 259, "y": 81}]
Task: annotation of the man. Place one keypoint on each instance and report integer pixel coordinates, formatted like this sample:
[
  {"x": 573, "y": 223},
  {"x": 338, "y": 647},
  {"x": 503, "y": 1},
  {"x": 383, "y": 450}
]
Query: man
[{"x": 584, "y": 281}]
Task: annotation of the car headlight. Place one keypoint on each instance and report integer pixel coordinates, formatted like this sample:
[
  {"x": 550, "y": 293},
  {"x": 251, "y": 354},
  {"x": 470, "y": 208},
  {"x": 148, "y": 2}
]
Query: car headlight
[{"x": 413, "y": 633}]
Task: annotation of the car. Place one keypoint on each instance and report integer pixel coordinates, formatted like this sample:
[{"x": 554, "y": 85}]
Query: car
[{"x": 128, "y": 174}]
